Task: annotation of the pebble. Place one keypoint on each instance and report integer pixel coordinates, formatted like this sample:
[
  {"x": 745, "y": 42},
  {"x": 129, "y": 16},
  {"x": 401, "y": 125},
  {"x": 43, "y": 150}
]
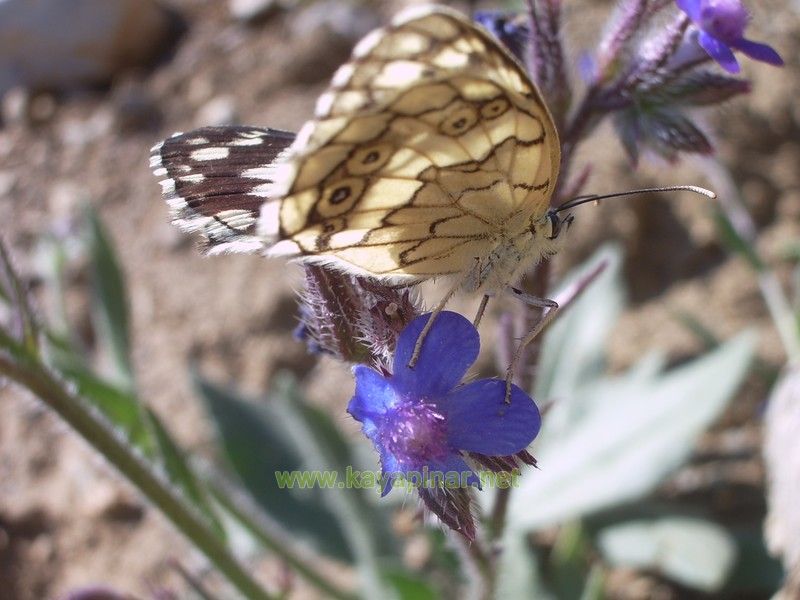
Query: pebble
[
  {"x": 217, "y": 111},
  {"x": 65, "y": 44},
  {"x": 256, "y": 11}
]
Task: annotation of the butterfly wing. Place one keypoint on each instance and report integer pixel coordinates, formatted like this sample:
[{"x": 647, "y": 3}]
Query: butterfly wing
[
  {"x": 429, "y": 145},
  {"x": 215, "y": 180}
]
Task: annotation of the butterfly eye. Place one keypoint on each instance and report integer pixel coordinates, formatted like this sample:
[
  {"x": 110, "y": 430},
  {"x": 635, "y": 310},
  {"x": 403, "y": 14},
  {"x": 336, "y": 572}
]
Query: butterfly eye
[
  {"x": 494, "y": 108},
  {"x": 459, "y": 121},
  {"x": 555, "y": 224}
]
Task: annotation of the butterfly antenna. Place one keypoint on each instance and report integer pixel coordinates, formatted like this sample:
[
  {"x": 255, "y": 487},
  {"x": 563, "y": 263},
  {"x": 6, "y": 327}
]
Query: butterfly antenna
[{"x": 577, "y": 201}]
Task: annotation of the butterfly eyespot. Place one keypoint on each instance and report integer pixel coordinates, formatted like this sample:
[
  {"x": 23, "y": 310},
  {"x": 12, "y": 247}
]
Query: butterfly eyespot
[
  {"x": 370, "y": 159},
  {"x": 459, "y": 121},
  {"x": 340, "y": 197},
  {"x": 495, "y": 108}
]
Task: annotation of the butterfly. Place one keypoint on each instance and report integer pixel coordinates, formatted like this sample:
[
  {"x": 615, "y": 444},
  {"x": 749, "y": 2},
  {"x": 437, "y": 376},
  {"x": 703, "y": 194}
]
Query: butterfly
[{"x": 431, "y": 154}]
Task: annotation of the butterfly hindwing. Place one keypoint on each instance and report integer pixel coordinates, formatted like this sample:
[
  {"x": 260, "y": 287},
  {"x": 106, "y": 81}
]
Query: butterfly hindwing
[
  {"x": 215, "y": 180},
  {"x": 430, "y": 143}
]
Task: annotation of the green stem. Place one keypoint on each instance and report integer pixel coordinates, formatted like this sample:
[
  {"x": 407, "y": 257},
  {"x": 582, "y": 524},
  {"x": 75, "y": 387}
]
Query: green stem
[{"x": 102, "y": 436}]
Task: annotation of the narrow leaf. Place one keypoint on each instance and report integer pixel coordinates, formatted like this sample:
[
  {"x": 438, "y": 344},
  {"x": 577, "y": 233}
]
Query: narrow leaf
[
  {"x": 257, "y": 445},
  {"x": 619, "y": 438},
  {"x": 181, "y": 475},
  {"x": 110, "y": 300}
]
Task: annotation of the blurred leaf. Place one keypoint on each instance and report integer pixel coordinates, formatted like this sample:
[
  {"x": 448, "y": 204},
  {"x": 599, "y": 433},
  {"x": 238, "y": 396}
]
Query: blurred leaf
[
  {"x": 181, "y": 475},
  {"x": 623, "y": 435},
  {"x": 568, "y": 566},
  {"x": 693, "y": 552},
  {"x": 324, "y": 448},
  {"x": 407, "y": 587},
  {"x": 694, "y": 326},
  {"x": 735, "y": 242},
  {"x": 755, "y": 572},
  {"x": 594, "y": 586},
  {"x": 110, "y": 301},
  {"x": 701, "y": 88},
  {"x": 119, "y": 406},
  {"x": 518, "y": 576},
  {"x": 256, "y": 443},
  {"x": 573, "y": 351},
  {"x": 665, "y": 131}
]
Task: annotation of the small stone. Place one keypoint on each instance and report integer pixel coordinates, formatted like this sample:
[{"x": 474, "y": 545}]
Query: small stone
[
  {"x": 255, "y": 11},
  {"x": 7, "y": 182},
  {"x": 80, "y": 132},
  {"x": 135, "y": 110},
  {"x": 111, "y": 502},
  {"x": 63, "y": 44},
  {"x": 217, "y": 111}
]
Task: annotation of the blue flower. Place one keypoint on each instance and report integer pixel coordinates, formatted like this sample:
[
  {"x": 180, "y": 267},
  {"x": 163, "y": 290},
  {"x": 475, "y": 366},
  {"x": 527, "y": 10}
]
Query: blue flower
[
  {"x": 512, "y": 30},
  {"x": 421, "y": 420},
  {"x": 722, "y": 24}
]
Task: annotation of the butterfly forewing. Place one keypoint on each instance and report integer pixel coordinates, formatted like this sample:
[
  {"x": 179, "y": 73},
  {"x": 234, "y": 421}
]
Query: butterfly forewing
[
  {"x": 215, "y": 180},
  {"x": 430, "y": 144}
]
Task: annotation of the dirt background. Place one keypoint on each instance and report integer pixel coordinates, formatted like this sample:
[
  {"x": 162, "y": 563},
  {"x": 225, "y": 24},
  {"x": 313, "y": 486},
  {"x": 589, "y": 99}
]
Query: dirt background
[{"x": 66, "y": 520}]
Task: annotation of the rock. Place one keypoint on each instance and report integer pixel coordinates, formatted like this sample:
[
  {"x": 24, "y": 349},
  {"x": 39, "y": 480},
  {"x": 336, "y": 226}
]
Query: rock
[
  {"x": 62, "y": 44},
  {"x": 257, "y": 11},
  {"x": 217, "y": 111}
]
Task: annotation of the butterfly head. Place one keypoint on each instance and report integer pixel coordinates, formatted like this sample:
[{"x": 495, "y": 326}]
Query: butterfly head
[{"x": 556, "y": 224}]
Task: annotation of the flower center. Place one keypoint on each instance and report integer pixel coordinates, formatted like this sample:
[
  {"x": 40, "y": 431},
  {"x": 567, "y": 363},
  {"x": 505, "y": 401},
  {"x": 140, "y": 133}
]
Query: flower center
[
  {"x": 415, "y": 433},
  {"x": 724, "y": 19}
]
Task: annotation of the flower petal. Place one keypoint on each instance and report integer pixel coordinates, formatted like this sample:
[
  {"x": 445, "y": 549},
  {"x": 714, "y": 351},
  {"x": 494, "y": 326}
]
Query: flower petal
[
  {"x": 479, "y": 419},
  {"x": 374, "y": 394},
  {"x": 449, "y": 349},
  {"x": 691, "y": 8},
  {"x": 758, "y": 51},
  {"x": 454, "y": 472},
  {"x": 719, "y": 52},
  {"x": 390, "y": 468}
]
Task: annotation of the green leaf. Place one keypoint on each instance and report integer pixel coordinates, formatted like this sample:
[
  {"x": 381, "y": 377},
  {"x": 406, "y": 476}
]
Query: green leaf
[
  {"x": 568, "y": 565},
  {"x": 181, "y": 475},
  {"x": 730, "y": 237},
  {"x": 408, "y": 587},
  {"x": 256, "y": 444},
  {"x": 518, "y": 575},
  {"x": 756, "y": 572},
  {"x": 616, "y": 439},
  {"x": 573, "y": 351},
  {"x": 323, "y": 448},
  {"x": 118, "y": 405},
  {"x": 693, "y": 552},
  {"x": 110, "y": 300}
]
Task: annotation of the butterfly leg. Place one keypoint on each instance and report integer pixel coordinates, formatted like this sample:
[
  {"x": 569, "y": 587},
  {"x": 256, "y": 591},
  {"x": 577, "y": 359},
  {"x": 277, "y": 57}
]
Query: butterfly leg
[
  {"x": 481, "y": 310},
  {"x": 424, "y": 333},
  {"x": 551, "y": 309}
]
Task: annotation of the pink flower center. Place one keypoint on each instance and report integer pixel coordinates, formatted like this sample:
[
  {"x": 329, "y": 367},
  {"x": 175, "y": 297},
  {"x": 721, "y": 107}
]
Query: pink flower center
[
  {"x": 724, "y": 19},
  {"x": 415, "y": 433}
]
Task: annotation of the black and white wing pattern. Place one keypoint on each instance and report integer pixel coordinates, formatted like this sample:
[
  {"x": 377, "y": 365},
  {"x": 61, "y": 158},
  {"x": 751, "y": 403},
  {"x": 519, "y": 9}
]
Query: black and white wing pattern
[{"x": 215, "y": 180}]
